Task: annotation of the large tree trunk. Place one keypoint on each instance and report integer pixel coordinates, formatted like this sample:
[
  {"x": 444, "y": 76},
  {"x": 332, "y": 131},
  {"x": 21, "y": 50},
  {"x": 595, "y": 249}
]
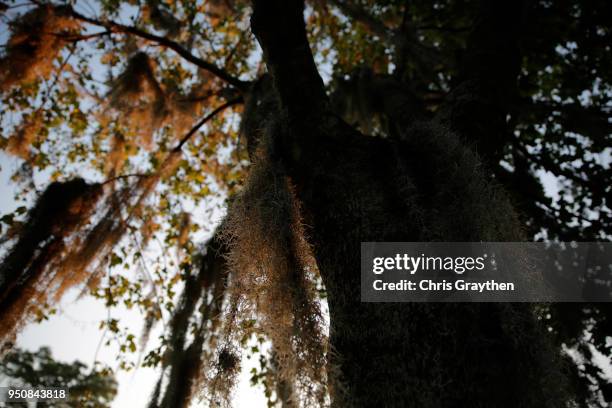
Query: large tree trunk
[
  {"x": 416, "y": 355},
  {"x": 427, "y": 186}
]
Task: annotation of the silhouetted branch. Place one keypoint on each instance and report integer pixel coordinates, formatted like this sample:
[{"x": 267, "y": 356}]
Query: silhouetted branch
[
  {"x": 163, "y": 41},
  {"x": 206, "y": 119}
]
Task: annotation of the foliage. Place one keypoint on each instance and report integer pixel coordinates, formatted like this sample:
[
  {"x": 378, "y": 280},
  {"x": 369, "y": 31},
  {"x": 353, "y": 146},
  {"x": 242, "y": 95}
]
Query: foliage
[{"x": 86, "y": 388}]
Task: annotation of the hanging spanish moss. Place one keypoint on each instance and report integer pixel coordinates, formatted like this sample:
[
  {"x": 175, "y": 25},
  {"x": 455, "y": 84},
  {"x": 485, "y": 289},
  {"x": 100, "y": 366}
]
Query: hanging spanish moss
[
  {"x": 26, "y": 273},
  {"x": 143, "y": 107},
  {"x": 151, "y": 317},
  {"x": 272, "y": 277},
  {"x": 58, "y": 247},
  {"x": 136, "y": 80},
  {"x": 222, "y": 374},
  {"x": 81, "y": 263},
  {"x": 285, "y": 394},
  {"x": 19, "y": 143},
  {"x": 186, "y": 360},
  {"x": 184, "y": 228},
  {"x": 161, "y": 18},
  {"x": 86, "y": 259},
  {"x": 118, "y": 155},
  {"x": 139, "y": 97},
  {"x": 183, "y": 110},
  {"x": 220, "y": 10},
  {"x": 36, "y": 40}
]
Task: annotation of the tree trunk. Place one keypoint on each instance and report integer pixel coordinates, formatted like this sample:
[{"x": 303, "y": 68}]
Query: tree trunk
[
  {"x": 416, "y": 355},
  {"x": 428, "y": 186}
]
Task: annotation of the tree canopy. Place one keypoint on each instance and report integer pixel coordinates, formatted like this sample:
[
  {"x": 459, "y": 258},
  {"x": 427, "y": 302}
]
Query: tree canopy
[{"x": 129, "y": 126}]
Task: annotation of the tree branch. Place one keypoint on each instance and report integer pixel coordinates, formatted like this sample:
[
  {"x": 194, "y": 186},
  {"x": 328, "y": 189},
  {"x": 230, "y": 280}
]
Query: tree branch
[
  {"x": 204, "y": 120},
  {"x": 478, "y": 105},
  {"x": 74, "y": 38},
  {"x": 442, "y": 28},
  {"x": 163, "y": 41},
  {"x": 280, "y": 29}
]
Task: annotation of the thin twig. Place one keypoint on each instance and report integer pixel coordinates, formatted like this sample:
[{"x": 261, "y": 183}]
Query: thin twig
[
  {"x": 148, "y": 274},
  {"x": 124, "y": 176},
  {"x": 76, "y": 37}
]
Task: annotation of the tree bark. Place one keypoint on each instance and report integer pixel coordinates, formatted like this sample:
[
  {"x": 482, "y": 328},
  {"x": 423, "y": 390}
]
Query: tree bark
[{"x": 427, "y": 186}]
